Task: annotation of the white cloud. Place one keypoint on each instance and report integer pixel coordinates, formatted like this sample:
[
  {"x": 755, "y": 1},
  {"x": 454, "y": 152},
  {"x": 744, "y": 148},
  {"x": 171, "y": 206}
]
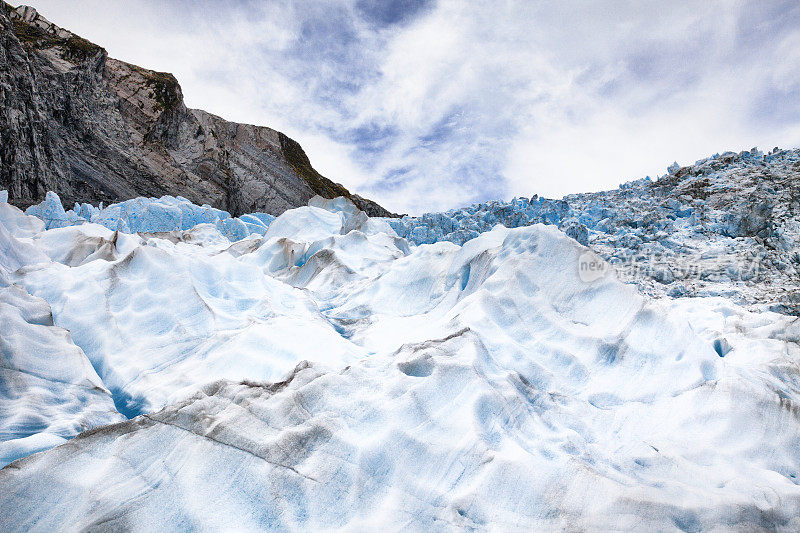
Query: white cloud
[{"x": 452, "y": 102}]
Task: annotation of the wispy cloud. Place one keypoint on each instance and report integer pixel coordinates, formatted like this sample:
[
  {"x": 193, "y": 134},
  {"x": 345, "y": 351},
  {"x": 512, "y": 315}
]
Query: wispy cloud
[{"x": 427, "y": 105}]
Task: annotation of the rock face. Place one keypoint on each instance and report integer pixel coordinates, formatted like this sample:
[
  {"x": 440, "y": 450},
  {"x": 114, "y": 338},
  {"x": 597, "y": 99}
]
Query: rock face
[{"x": 93, "y": 128}]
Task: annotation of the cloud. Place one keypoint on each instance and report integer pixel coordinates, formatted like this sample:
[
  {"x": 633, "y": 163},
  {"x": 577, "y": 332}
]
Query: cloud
[
  {"x": 428, "y": 105},
  {"x": 384, "y": 13}
]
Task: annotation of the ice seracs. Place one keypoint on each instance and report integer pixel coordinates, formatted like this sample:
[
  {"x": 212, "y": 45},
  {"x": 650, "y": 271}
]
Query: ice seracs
[
  {"x": 150, "y": 215},
  {"x": 727, "y": 225},
  {"x": 326, "y": 373}
]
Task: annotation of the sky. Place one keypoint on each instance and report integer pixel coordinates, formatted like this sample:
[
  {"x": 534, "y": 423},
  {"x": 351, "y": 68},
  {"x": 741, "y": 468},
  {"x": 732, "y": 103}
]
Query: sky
[{"x": 428, "y": 105}]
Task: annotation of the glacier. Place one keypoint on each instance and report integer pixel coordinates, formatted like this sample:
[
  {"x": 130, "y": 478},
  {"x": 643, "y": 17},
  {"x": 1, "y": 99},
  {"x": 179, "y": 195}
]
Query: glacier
[
  {"x": 149, "y": 215},
  {"x": 732, "y": 218},
  {"x": 166, "y": 366}
]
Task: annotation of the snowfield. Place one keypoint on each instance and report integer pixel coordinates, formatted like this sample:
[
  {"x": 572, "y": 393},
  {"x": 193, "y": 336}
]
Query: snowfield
[{"x": 319, "y": 371}]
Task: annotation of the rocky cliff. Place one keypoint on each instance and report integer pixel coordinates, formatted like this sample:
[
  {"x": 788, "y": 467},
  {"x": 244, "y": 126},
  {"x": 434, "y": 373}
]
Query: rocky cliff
[{"x": 93, "y": 129}]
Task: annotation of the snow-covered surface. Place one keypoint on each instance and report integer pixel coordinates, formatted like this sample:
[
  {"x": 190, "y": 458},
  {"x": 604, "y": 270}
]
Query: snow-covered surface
[{"x": 329, "y": 374}]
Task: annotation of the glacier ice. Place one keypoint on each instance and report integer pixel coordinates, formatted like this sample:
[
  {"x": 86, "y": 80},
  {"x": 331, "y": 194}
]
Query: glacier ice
[
  {"x": 494, "y": 389},
  {"x": 730, "y": 214},
  {"x": 150, "y": 215},
  {"x": 48, "y": 390},
  {"x": 336, "y": 371},
  {"x": 724, "y": 226},
  {"x": 16, "y": 253}
]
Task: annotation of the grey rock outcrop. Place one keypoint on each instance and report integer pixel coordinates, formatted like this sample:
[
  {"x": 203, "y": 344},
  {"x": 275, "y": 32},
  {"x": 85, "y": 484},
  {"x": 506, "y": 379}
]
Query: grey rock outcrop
[{"x": 93, "y": 128}]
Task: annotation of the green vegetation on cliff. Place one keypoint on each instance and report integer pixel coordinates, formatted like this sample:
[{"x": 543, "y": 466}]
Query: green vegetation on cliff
[
  {"x": 74, "y": 49},
  {"x": 299, "y": 161}
]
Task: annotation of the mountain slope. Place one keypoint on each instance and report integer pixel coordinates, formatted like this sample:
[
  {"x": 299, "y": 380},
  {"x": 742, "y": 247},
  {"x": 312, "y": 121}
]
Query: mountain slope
[{"x": 92, "y": 128}]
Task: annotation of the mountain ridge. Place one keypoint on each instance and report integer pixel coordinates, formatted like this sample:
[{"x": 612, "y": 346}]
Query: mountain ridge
[{"x": 97, "y": 129}]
